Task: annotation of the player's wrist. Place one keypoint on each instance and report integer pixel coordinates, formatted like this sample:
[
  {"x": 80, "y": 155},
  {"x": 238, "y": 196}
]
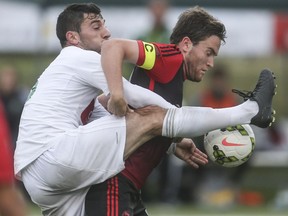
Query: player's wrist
[{"x": 116, "y": 96}]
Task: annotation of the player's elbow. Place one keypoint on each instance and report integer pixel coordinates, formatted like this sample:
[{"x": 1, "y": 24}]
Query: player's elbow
[
  {"x": 107, "y": 45},
  {"x": 112, "y": 47}
]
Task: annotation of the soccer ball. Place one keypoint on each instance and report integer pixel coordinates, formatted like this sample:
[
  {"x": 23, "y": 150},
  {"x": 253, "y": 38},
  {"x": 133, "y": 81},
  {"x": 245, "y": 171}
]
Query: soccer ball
[{"x": 231, "y": 146}]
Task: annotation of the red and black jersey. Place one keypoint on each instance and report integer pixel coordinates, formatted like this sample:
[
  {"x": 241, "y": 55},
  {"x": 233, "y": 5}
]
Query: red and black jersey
[{"x": 160, "y": 69}]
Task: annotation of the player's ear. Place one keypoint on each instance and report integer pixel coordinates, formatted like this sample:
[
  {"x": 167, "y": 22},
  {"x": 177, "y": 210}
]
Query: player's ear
[
  {"x": 187, "y": 43},
  {"x": 72, "y": 38}
]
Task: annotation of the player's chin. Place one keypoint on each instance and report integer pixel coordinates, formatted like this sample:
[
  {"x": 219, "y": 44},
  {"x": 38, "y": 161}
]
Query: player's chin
[{"x": 198, "y": 79}]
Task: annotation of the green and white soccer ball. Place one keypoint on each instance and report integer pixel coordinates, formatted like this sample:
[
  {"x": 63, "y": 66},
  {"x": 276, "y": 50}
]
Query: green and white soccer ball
[{"x": 231, "y": 146}]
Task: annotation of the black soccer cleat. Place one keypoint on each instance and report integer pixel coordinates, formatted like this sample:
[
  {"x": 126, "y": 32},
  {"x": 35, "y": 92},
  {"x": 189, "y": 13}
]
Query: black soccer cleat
[{"x": 263, "y": 95}]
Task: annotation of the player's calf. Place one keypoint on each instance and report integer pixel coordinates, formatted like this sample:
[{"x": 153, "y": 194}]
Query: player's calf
[{"x": 142, "y": 125}]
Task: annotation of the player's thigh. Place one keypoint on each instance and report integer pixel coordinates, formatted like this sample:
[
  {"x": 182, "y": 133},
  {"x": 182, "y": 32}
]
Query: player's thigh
[
  {"x": 52, "y": 202},
  {"x": 142, "y": 125}
]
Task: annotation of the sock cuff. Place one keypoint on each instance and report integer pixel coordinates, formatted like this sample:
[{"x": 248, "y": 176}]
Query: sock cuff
[{"x": 168, "y": 123}]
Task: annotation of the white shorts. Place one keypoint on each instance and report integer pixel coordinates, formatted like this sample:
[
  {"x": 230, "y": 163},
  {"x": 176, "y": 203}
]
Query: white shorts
[{"x": 59, "y": 179}]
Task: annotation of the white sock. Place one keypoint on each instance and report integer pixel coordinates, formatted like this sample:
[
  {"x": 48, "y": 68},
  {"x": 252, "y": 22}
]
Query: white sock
[{"x": 195, "y": 121}]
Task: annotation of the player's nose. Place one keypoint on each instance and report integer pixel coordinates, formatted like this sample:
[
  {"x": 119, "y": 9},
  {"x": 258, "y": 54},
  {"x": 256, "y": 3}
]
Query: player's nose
[
  {"x": 210, "y": 62},
  {"x": 107, "y": 33}
]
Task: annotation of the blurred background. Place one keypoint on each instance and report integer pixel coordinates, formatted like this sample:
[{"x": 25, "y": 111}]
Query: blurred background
[{"x": 257, "y": 38}]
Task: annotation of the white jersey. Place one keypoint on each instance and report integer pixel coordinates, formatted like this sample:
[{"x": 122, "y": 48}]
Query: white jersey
[{"x": 58, "y": 102}]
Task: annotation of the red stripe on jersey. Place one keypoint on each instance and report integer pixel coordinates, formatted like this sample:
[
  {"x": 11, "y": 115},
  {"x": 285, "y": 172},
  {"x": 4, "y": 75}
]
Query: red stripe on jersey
[
  {"x": 113, "y": 197},
  {"x": 169, "y": 49},
  {"x": 152, "y": 85},
  {"x": 116, "y": 196},
  {"x": 108, "y": 197}
]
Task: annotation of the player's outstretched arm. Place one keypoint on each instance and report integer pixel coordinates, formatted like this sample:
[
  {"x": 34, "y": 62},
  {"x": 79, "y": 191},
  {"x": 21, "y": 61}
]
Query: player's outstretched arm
[{"x": 188, "y": 152}]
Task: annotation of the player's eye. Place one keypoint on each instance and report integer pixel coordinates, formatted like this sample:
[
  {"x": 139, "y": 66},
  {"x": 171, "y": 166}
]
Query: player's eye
[
  {"x": 209, "y": 53},
  {"x": 96, "y": 26}
]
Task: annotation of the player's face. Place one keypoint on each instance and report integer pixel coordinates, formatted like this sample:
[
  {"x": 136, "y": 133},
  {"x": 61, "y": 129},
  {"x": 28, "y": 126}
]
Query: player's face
[
  {"x": 93, "y": 33},
  {"x": 200, "y": 57}
]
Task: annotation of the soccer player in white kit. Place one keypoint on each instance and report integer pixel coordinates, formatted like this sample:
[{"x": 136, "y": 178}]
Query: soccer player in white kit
[{"x": 67, "y": 141}]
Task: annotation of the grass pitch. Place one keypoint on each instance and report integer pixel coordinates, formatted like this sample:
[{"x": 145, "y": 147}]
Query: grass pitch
[{"x": 187, "y": 210}]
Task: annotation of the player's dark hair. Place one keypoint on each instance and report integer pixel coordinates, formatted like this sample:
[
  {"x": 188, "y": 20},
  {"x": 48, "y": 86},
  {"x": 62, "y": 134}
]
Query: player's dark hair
[
  {"x": 197, "y": 24},
  {"x": 72, "y": 17}
]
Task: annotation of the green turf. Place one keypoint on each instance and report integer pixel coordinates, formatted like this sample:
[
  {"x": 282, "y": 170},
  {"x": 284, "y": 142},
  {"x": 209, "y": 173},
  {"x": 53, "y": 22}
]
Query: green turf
[
  {"x": 159, "y": 210},
  {"x": 185, "y": 210}
]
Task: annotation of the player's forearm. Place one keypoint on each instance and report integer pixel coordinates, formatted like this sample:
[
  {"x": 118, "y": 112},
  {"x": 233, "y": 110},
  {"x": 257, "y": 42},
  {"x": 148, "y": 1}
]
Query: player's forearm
[
  {"x": 111, "y": 60},
  {"x": 113, "y": 53},
  {"x": 137, "y": 96}
]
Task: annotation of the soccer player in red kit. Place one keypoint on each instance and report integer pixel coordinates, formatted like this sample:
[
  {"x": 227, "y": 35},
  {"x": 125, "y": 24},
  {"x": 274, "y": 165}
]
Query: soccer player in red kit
[
  {"x": 166, "y": 78},
  {"x": 160, "y": 68}
]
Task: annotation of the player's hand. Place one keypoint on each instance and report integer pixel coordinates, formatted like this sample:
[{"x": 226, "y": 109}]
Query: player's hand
[
  {"x": 117, "y": 106},
  {"x": 188, "y": 152}
]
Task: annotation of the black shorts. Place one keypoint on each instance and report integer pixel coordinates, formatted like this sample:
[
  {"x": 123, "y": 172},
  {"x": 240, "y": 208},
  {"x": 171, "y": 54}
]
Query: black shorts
[{"x": 115, "y": 197}]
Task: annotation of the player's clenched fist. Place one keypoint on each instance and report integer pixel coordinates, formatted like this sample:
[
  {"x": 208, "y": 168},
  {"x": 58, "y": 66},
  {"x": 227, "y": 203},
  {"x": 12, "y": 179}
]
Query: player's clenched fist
[{"x": 117, "y": 105}]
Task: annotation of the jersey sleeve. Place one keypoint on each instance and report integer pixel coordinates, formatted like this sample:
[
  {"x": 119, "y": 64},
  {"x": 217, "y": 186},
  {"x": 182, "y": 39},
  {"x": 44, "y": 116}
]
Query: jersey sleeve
[
  {"x": 161, "y": 62},
  {"x": 134, "y": 92}
]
